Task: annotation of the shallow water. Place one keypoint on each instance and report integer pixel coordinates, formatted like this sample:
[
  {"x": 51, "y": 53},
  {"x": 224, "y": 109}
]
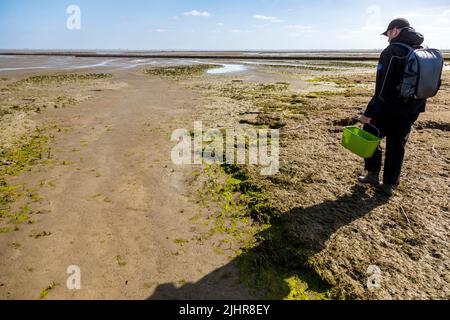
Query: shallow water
[
  {"x": 20, "y": 63},
  {"x": 17, "y": 63},
  {"x": 228, "y": 68}
]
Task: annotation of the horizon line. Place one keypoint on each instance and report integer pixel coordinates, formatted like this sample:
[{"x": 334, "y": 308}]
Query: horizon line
[{"x": 198, "y": 50}]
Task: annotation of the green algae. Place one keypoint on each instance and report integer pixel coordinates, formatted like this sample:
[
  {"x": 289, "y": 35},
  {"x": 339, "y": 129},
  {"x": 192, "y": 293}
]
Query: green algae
[
  {"x": 181, "y": 72},
  {"x": 269, "y": 263}
]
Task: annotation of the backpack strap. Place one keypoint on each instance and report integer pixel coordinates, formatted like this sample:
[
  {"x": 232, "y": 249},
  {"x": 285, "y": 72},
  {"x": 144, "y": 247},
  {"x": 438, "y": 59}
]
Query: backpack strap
[{"x": 404, "y": 45}]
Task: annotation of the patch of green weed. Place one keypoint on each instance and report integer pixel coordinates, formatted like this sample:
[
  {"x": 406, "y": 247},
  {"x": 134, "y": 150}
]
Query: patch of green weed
[
  {"x": 180, "y": 72},
  {"x": 47, "y": 290},
  {"x": 121, "y": 262}
]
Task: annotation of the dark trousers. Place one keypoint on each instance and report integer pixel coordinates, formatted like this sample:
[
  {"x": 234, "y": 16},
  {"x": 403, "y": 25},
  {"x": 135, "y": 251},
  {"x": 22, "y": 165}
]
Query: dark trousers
[{"x": 396, "y": 130}]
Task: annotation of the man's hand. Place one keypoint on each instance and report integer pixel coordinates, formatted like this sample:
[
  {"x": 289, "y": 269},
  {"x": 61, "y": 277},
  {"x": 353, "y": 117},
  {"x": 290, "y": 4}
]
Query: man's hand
[{"x": 364, "y": 120}]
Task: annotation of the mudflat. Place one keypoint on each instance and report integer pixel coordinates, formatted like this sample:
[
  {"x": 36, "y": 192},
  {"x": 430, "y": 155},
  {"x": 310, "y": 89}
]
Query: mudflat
[{"x": 86, "y": 179}]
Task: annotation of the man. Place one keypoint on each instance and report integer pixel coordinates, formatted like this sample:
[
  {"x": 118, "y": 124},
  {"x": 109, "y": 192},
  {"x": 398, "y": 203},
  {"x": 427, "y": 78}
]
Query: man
[{"x": 387, "y": 114}]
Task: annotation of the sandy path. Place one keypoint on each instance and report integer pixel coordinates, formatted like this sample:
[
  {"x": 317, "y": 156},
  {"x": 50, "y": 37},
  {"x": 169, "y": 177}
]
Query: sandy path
[{"x": 119, "y": 199}]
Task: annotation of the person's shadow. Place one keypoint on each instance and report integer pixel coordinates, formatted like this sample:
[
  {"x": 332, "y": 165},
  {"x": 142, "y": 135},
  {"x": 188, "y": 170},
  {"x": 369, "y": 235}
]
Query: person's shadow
[{"x": 286, "y": 245}]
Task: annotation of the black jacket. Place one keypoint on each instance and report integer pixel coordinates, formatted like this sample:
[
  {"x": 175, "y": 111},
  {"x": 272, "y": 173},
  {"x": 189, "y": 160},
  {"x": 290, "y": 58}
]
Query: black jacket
[{"x": 386, "y": 101}]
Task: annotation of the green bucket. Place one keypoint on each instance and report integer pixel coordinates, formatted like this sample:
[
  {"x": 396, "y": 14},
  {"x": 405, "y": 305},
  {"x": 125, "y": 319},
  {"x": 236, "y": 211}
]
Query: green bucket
[{"x": 360, "y": 142}]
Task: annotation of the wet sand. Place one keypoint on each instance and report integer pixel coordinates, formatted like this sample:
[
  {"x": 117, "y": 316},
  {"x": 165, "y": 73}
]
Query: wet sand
[{"x": 107, "y": 198}]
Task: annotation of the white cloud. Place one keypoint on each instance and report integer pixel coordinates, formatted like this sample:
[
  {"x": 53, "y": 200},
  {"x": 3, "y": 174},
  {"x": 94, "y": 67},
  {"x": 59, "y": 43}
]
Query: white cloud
[
  {"x": 220, "y": 24},
  {"x": 195, "y": 13},
  {"x": 428, "y": 13},
  {"x": 160, "y": 30},
  {"x": 261, "y": 26},
  {"x": 236, "y": 31},
  {"x": 301, "y": 28},
  {"x": 432, "y": 22},
  {"x": 409, "y": 15},
  {"x": 267, "y": 18},
  {"x": 438, "y": 24},
  {"x": 430, "y": 16},
  {"x": 443, "y": 21}
]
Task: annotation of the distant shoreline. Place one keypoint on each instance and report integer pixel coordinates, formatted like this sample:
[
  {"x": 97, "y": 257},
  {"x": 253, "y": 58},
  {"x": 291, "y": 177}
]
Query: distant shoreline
[
  {"x": 232, "y": 55},
  {"x": 229, "y": 55}
]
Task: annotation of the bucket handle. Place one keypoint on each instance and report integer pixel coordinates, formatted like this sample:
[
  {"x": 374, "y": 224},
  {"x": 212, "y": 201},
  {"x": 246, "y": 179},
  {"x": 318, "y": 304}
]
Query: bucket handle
[{"x": 378, "y": 130}]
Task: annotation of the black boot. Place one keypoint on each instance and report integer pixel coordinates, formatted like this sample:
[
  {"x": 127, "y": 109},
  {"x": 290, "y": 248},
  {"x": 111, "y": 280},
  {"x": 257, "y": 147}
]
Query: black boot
[
  {"x": 387, "y": 189},
  {"x": 372, "y": 178}
]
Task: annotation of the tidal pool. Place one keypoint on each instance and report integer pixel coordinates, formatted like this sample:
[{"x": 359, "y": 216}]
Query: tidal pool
[{"x": 228, "y": 68}]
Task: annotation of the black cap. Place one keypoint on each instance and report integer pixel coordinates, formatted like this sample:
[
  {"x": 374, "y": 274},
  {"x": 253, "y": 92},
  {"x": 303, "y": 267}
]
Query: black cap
[{"x": 397, "y": 23}]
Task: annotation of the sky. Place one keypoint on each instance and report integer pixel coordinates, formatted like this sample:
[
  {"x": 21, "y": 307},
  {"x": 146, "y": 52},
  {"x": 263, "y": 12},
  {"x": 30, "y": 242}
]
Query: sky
[{"x": 215, "y": 24}]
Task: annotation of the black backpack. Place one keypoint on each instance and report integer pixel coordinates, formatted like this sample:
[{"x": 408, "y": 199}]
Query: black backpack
[{"x": 423, "y": 72}]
